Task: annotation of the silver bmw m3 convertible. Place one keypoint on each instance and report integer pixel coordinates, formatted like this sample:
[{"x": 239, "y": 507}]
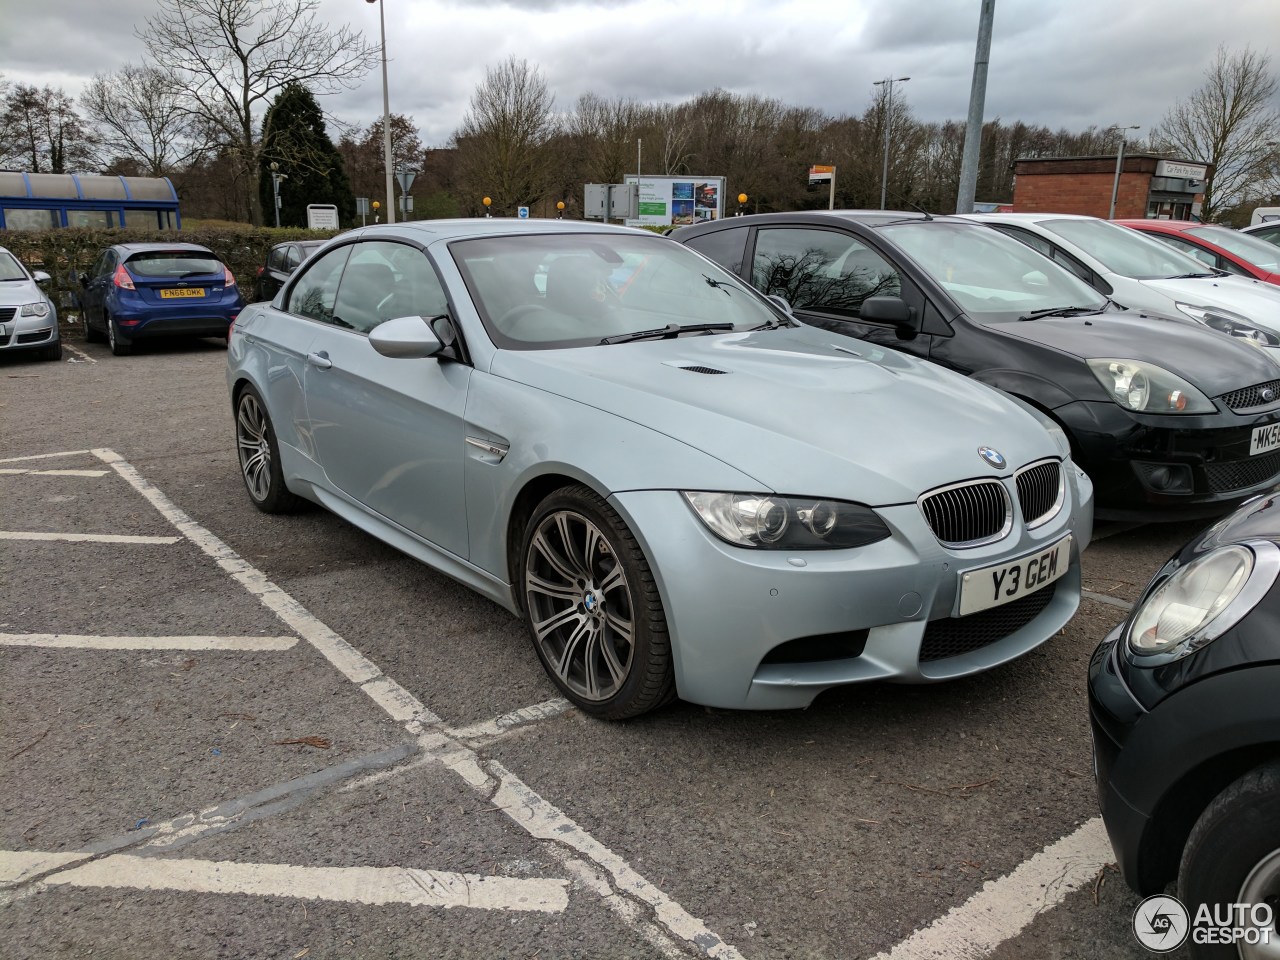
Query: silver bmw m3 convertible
[{"x": 680, "y": 490}]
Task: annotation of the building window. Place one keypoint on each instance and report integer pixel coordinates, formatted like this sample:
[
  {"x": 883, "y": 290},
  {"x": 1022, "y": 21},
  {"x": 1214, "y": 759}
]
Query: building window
[
  {"x": 100, "y": 219},
  {"x": 23, "y": 219}
]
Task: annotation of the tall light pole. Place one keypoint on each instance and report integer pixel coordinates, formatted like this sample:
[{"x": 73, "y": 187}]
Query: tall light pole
[
  {"x": 386, "y": 115},
  {"x": 276, "y": 177},
  {"x": 1115, "y": 186},
  {"x": 887, "y": 83},
  {"x": 977, "y": 103}
]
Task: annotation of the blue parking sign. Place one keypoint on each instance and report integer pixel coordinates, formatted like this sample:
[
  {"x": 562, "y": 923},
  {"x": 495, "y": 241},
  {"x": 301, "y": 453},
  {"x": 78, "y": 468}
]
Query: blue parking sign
[{"x": 522, "y": 213}]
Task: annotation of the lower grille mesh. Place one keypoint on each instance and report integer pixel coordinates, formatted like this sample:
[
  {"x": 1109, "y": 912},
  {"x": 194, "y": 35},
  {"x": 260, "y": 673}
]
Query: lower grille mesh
[
  {"x": 1238, "y": 474},
  {"x": 957, "y": 635}
]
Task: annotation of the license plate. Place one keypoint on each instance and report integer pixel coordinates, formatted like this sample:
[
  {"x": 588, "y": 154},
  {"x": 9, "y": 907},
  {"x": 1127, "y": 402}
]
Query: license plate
[
  {"x": 1005, "y": 582},
  {"x": 1264, "y": 438},
  {"x": 181, "y": 293}
]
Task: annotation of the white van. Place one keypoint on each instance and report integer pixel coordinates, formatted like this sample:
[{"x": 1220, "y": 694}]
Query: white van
[{"x": 1264, "y": 215}]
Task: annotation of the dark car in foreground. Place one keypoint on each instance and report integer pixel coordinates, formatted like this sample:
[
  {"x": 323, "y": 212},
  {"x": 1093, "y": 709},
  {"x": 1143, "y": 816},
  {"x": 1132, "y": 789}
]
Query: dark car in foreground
[
  {"x": 1184, "y": 701},
  {"x": 138, "y": 291},
  {"x": 282, "y": 260},
  {"x": 28, "y": 319},
  {"x": 1169, "y": 418}
]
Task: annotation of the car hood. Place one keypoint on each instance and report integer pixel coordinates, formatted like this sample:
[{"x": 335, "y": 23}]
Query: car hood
[
  {"x": 1214, "y": 362},
  {"x": 801, "y": 410},
  {"x": 1253, "y": 299},
  {"x": 15, "y": 293}
]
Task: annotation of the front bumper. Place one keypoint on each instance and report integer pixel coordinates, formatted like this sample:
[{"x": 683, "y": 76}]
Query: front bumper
[
  {"x": 763, "y": 629},
  {"x": 1146, "y": 466},
  {"x": 29, "y": 333}
]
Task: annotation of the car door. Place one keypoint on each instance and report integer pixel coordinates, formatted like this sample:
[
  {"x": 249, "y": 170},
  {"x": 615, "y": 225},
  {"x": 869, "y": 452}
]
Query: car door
[
  {"x": 93, "y": 291},
  {"x": 389, "y": 433},
  {"x": 826, "y": 274}
]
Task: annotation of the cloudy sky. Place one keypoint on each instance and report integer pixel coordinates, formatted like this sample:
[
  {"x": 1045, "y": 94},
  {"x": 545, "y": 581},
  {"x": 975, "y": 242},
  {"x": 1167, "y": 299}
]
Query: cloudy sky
[{"x": 1062, "y": 63}]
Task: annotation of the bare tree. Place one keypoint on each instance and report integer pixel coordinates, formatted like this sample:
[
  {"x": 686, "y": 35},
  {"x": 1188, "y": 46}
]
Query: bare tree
[
  {"x": 362, "y": 154},
  {"x": 230, "y": 57},
  {"x": 142, "y": 114},
  {"x": 40, "y": 130},
  {"x": 503, "y": 141},
  {"x": 1226, "y": 122}
]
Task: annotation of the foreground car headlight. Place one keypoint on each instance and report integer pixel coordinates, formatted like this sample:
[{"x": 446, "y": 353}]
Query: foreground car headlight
[
  {"x": 38, "y": 309},
  {"x": 786, "y": 523},
  {"x": 1141, "y": 386},
  {"x": 1202, "y": 600},
  {"x": 1230, "y": 323}
]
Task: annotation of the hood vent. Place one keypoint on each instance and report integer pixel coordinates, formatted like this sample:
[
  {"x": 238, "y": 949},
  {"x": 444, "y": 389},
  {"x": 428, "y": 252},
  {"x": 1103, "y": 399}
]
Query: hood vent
[{"x": 701, "y": 369}]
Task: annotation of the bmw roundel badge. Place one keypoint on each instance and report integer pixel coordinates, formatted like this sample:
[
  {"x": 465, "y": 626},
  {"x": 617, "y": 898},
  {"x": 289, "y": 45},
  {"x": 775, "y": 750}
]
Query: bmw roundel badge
[{"x": 993, "y": 457}]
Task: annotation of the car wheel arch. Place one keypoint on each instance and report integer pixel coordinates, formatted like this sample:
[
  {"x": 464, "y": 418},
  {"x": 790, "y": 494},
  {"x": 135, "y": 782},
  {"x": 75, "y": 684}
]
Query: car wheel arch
[{"x": 533, "y": 492}]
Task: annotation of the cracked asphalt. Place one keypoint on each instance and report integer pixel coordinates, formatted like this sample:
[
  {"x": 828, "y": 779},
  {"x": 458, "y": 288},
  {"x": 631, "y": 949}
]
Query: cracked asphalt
[{"x": 831, "y": 832}]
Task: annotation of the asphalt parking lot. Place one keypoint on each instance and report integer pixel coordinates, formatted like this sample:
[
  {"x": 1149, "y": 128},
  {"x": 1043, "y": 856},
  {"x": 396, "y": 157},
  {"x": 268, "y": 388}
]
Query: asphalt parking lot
[{"x": 228, "y": 734}]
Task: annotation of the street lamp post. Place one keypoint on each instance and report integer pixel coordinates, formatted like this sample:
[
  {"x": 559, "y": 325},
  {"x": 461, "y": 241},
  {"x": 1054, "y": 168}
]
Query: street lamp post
[
  {"x": 887, "y": 83},
  {"x": 276, "y": 177},
  {"x": 386, "y": 115},
  {"x": 1115, "y": 186}
]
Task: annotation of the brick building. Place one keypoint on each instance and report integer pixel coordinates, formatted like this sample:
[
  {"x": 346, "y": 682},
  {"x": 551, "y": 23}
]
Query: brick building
[{"x": 1151, "y": 187}]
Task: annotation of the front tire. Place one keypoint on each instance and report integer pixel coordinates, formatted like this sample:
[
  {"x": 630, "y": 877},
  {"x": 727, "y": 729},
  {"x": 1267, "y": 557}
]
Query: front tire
[
  {"x": 52, "y": 352},
  {"x": 1233, "y": 856},
  {"x": 593, "y": 609},
  {"x": 259, "y": 456}
]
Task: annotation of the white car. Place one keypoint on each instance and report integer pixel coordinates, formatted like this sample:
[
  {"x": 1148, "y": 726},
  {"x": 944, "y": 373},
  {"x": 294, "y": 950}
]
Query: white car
[
  {"x": 1144, "y": 274},
  {"x": 28, "y": 320}
]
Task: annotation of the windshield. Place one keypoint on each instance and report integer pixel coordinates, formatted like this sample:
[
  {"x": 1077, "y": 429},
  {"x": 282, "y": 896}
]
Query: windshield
[
  {"x": 536, "y": 291},
  {"x": 1261, "y": 254},
  {"x": 1125, "y": 251},
  {"x": 993, "y": 277},
  {"x": 173, "y": 264},
  {"x": 10, "y": 269}
]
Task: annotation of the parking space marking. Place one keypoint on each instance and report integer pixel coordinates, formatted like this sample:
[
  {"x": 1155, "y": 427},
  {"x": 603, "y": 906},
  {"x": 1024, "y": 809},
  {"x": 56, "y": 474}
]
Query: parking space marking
[
  {"x": 14, "y": 471},
  {"x": 78, "y": 352},
  {"x": 1004, "y": 908},
  {"x": 46, "y": 456},
  {"x": 18, "y": 866},
  {"x": 491, "y": 729},
  {"x": 1104, "y": 598},
  {"x": 371, "y": 885},
  {"x": 503, "y": 788},
  {"x": 82, "y": 537},
  {"x": 73, "y": 641}
]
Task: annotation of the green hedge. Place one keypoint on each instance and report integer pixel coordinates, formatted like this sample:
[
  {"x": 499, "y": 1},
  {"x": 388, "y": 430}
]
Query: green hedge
[{"x": 65, "y": 253}]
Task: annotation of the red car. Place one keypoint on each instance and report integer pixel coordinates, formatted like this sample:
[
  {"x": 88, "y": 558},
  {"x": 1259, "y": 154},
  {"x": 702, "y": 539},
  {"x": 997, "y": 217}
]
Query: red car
[{"x": 1219, "y": 247}]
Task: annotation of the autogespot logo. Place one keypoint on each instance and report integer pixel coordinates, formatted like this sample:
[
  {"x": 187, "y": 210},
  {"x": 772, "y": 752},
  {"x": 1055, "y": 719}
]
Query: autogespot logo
[{"x": 1160, "y": 923}]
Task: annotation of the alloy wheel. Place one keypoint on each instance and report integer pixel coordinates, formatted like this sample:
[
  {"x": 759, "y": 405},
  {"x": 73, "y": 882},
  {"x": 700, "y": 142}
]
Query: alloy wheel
[
  {"x": 253, "y": 446},
  {"x": 1262, "y": 885}
]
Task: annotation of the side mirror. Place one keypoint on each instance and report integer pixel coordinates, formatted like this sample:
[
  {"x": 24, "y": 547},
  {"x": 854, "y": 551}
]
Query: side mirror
[
  {"x": 41, "y": 277},
  {"x": 780, "y": 303},
  {"x": 405, "y": 338},
  {"x": 892, "y": 310}
]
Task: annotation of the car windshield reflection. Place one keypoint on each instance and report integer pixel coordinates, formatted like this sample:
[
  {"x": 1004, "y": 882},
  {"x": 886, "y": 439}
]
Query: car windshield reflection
[{"x": 544, "y": 291}]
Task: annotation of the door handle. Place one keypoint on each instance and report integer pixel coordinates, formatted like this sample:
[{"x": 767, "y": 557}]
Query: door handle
[{"x": 320, "y": 360}]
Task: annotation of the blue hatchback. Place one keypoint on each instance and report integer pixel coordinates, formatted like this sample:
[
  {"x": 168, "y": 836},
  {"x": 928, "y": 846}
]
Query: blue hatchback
[{"x": 136, "y": 291}]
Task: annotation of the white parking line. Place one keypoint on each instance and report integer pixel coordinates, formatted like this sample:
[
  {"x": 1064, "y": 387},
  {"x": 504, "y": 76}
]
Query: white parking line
[
  {"x": 82, "y": 537},
  {"x": 372, "y": 885},
  {"x": 78, "y": 352},
  {"x": 10, "y": 471},
  {"x": 510, "y": 721},
  {"x": 18, "y": 865},
  {"x": 72, "y": 641},
  {"x": 45, "y": 456},
  {"x": 1003, "y": 908},
  {"x": 518, "y": 801}
]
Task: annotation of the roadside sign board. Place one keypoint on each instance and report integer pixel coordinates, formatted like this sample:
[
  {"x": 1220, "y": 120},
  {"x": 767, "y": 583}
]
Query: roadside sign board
[
  {"x": 322, "y": 216},
  {"x": 522, "y": 213},
  {"x": 663, "y": 201},
  {"x": 820, "y": 172}
]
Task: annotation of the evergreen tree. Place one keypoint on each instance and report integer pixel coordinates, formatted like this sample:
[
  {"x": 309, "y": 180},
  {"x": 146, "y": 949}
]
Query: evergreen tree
[{"x": 294, "y": 137}]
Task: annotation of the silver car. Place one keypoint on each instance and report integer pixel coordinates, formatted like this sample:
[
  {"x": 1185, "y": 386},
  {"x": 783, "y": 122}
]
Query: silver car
[
  {"x": 680, "y": 490},
  {"x": 28, "y": 319}
]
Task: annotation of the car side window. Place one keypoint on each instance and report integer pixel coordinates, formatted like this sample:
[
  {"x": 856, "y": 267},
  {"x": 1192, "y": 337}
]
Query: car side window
[
  {"x": 1052, "y": 251},
  {"x": 314, "y": 293},
  {"x": 276, "y": 259},
  {"x": 823, "y": 270},
  {"x": 1200, "y": 253},
  {"x": 1036, "y": 243},
  {"x": 385, "y": 280},
  {"x": 293, "y": 258},
  {"x": 725, "y": 247}
]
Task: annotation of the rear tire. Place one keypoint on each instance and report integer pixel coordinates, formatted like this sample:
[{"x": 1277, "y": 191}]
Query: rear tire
[
  {"x": 1233, "y": 856},
  {"x": 120, "y": 347},
  {"x": 258, "y": 454}
]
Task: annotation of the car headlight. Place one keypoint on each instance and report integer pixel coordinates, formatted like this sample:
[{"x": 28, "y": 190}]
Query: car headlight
[
  {"x": 1202, "y": 600},
  {"x": 1230, "y": 323},
  {"x": 1147, "y": 388},
  {"x": 37, "y": 309},
  {"x": 786, "y": 523}
]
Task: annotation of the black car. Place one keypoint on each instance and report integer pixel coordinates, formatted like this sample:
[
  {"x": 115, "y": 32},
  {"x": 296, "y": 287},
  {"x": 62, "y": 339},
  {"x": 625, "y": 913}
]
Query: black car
[
  {"x": 1184, "y": 701},
  {"x": 1167, "y": 417},
  {"x": 282, "y": 260}
]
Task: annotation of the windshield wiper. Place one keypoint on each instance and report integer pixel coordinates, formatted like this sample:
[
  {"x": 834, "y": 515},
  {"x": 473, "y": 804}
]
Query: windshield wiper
[
  {"x": 1191, "y": 276},
  {"x": 668, "y": 332},
  {"x": 1060, "y": 312}
]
